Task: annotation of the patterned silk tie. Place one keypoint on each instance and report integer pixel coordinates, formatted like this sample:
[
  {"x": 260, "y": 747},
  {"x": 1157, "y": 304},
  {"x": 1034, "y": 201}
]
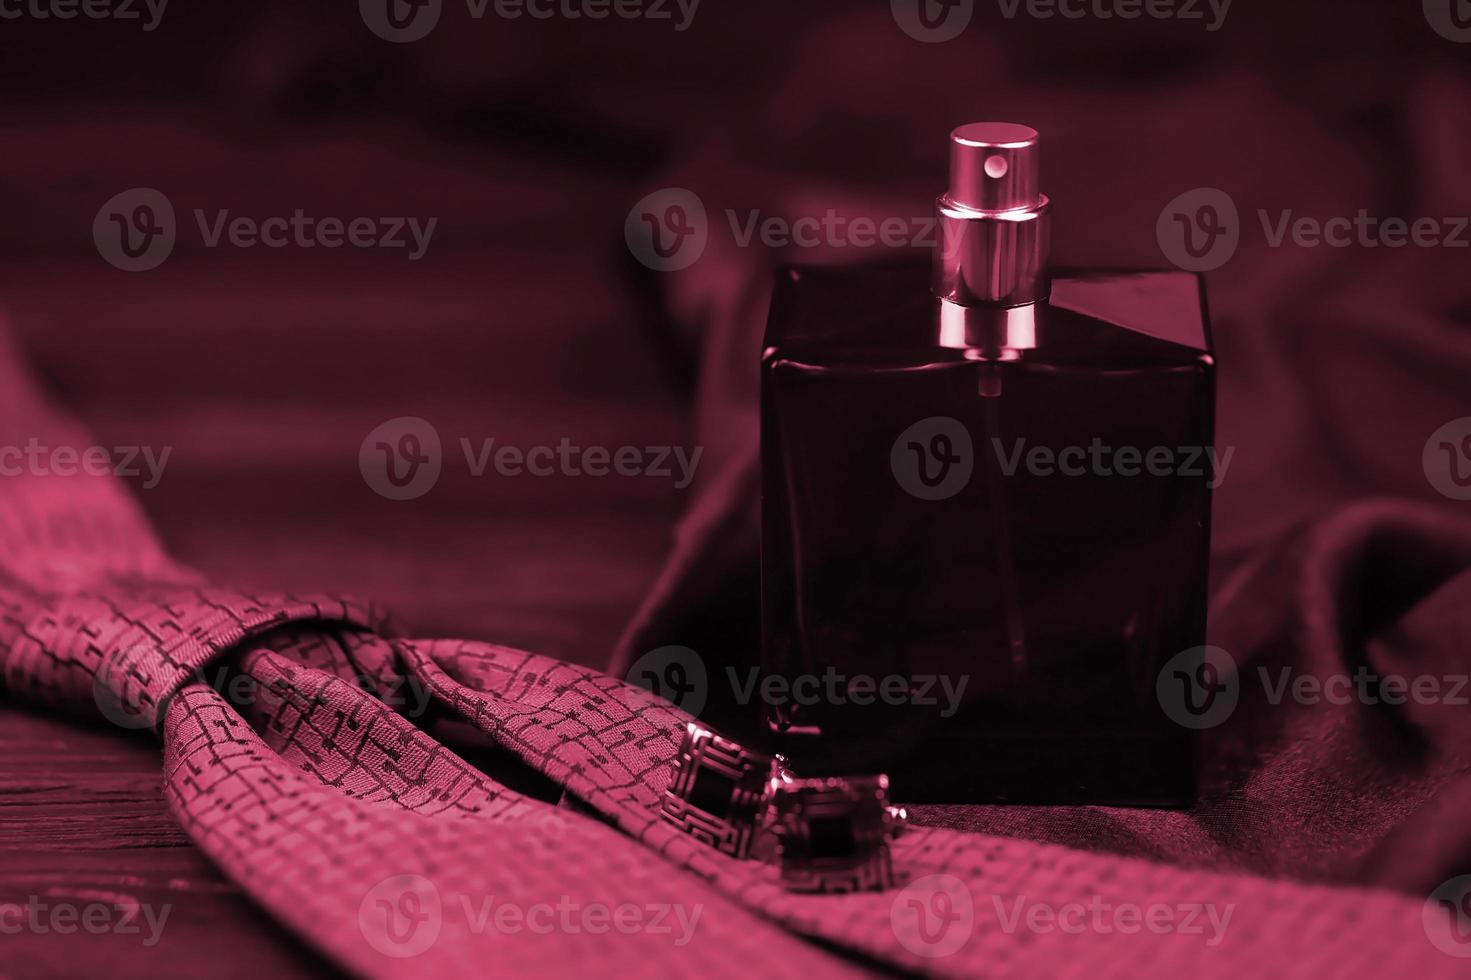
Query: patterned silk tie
[{"x": 382, "y": 847}]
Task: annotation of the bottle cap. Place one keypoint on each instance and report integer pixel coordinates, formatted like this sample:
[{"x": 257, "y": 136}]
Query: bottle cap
[{"x": 993, "y": 167}]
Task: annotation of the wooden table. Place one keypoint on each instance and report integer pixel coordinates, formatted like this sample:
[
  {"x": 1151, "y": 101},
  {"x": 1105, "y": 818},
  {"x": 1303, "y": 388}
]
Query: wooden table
[{"x": 264, "y": 371}]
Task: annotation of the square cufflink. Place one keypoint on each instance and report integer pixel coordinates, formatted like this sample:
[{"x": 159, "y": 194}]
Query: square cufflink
[
  {"x": 721, "y": 791},
  {"x": 834, "y": 833}
]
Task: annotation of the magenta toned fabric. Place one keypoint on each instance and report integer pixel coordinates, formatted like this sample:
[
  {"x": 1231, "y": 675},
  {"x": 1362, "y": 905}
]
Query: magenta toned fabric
[
  {"x": 371, "y": 839},
  {"x": 1333, "y": 553}
]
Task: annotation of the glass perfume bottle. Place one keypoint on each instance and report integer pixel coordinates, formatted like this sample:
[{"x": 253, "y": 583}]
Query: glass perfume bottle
[{"x": 986, "y": 506}]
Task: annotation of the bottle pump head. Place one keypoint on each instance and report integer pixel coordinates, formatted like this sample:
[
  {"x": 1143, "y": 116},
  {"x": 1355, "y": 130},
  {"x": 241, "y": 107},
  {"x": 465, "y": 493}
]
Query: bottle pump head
[{"x": 994, "y": 221}]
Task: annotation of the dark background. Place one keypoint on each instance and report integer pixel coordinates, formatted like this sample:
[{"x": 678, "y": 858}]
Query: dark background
[{"x": 529, "y": 141}]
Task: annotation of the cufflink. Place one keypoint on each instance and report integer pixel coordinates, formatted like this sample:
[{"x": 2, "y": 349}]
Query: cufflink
[
  {"x": 834, "y": 833},
  {"x": 721, "y": 791}
]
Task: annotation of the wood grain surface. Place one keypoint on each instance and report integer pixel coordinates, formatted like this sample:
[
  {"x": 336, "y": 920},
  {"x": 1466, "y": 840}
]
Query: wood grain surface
[{"x": 262, "y": 372}]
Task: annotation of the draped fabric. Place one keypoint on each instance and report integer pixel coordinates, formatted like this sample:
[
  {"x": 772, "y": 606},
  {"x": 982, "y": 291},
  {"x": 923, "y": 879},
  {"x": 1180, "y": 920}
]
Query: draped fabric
[{"x": 286, "y": 762}]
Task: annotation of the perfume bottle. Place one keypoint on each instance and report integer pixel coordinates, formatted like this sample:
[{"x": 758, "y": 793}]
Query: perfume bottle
[{"x": 986, "y": 509}]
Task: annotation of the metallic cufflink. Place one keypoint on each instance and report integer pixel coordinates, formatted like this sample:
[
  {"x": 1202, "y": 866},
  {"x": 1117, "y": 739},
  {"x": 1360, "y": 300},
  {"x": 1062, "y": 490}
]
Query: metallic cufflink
[
  {"x": 834, "y": 833},
  {"x": 828, "y": 835},
  {"x": 721, "y": 791}
]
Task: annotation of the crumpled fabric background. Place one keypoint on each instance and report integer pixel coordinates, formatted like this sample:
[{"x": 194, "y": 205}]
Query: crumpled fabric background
[{"x": 1331, "y": 549}]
